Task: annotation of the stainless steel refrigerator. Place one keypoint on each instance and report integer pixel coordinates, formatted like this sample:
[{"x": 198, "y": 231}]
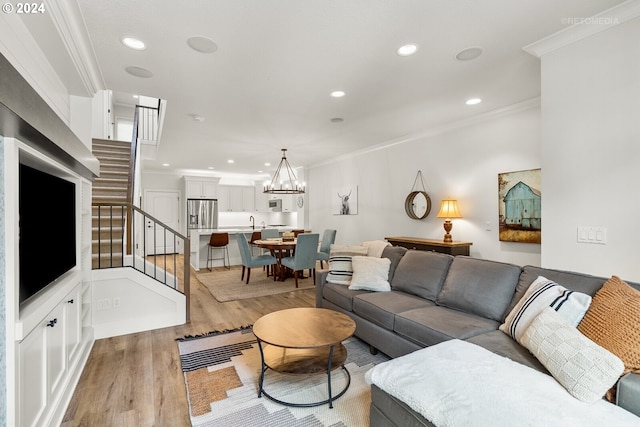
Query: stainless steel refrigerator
[{"x": 202, "y": 213}]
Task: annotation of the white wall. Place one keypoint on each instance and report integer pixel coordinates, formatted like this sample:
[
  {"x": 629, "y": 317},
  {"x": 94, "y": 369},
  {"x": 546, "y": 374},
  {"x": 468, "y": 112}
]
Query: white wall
[
  {"x": 591, "y": 151},
  {"x": 461, "y": 163}
]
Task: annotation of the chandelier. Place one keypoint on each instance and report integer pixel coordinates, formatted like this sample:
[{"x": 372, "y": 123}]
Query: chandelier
[{"x": 285, "y": 184}]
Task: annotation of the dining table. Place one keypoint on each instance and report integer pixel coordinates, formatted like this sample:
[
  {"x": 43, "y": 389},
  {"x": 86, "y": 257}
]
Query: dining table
[{"x": 278, "y": 247}]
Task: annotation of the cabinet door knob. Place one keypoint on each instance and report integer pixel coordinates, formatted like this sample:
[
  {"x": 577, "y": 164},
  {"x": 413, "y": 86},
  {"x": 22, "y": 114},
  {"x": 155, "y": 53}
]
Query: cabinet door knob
[
  {"x": 52, "y": 323},
  {"x": 70, "y": 301}
]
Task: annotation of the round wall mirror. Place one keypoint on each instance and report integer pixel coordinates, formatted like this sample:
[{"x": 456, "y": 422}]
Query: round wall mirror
[{"x": 417, "y": 205}]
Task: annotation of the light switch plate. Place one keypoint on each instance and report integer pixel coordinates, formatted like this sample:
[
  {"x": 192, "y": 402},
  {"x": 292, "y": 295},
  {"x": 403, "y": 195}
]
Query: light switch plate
[{"x": 590, "y": 234}]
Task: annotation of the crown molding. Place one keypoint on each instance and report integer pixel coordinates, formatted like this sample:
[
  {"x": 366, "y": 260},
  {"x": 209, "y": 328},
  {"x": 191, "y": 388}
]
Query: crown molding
[
  {"x": 449, "y": 127},
  {"x": 585, "y": 27},
  {"x": 67, "y": 18}
]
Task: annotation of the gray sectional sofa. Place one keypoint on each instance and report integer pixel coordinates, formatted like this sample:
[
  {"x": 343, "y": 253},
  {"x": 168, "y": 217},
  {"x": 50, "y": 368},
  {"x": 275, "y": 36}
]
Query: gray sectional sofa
[{"x": 436, "y": 297}]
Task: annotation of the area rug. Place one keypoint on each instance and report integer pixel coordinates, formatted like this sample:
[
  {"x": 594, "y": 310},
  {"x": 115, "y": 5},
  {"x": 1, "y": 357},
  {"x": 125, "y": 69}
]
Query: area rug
[
  {"x": 226, "y": 285},
  {"x": 221, "y": 372}
]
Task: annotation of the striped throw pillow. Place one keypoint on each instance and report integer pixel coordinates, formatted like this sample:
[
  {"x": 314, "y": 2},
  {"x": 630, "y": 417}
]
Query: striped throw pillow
[
  {"x": 340, "y": 268},
  {"x": 543, "y": 293}
]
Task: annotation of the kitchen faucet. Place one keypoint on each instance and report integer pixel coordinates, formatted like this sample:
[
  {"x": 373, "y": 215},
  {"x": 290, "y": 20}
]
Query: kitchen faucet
[{"x": 253, "y": 222}]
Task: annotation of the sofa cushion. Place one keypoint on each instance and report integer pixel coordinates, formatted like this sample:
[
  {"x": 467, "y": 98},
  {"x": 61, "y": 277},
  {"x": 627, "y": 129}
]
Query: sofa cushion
[
  {"x": 340, "y": 295},
  {"x": 395, "y": 254},
  {"x": 421, "y": 273},
  {"x": 381, "y": 308},
  {"x": 584, "y": 368},
  {"x": 370, "y": 274},
  {"x": 432, "y": 325},
  {"x": 479, "y": 286},
  {"x": 503, "y": 345},
  {"x": 541, "y": 294},
  {"x": 340, "y": 268},
  {"x": 612, "y": 322}
]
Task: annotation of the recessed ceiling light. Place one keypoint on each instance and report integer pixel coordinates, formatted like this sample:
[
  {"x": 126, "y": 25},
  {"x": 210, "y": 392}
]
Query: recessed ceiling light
[
  {"x": 473, "y": 101},
  {"x": 136, "y": 96},
  {"x": 231, "y": 161},
  {"x": 338, "y": 94},
  {"x": 166, "y": 164},
  {"x": 469, "y": 53},
  {"x": 259, "y": 171},
  {"x": 267, "y": 164},
  {"x": 210, "y": 168},
  {"x": 337, "y": 120},
  {"x": 132, "y": 43},
  {"x": 407, "y": 49},
  {"x": 139, "y": 72},
  {"x": 202, "y": 44}
]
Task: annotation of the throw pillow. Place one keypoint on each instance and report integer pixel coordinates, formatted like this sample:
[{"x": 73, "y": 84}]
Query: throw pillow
[
  {"x": 370, "y": 274},
  {"x": 612, "y": 322},
  {"x": 375, "y": 247},
  {"x": 544, "y": 293},
  {"x": 584, "y": 368},
  {"x": 340, "y": 269}
]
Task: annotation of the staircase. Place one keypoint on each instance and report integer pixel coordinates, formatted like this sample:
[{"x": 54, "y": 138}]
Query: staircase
[{"x": 110, "y": 187}]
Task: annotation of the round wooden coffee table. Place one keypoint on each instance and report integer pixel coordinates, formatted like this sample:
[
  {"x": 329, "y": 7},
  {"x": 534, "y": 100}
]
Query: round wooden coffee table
[{"x": 303, "y": 341}]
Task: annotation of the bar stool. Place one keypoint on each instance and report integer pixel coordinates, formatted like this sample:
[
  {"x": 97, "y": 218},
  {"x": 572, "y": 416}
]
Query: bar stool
[{"x": 219, "y": 241}]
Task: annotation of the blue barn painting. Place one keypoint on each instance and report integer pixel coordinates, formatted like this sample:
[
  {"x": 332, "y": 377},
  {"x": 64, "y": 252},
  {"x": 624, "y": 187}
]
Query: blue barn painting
[{"x": 522, "y": 205}]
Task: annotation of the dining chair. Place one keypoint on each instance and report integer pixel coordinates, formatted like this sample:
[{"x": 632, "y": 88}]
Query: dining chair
[
  {"x": 219, "y": 241},
  {"x": 305, "y": 255},
  {"x": 256, "y": 235},
  {"x": 270, "y": 233},
  {"x": 328, "y": 238},
  {"x": 249, "y": 261}
]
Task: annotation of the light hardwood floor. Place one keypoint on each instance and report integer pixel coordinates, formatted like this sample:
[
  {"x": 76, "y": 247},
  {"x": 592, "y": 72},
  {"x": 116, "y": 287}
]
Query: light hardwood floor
[{"x": 135, "y": 380}]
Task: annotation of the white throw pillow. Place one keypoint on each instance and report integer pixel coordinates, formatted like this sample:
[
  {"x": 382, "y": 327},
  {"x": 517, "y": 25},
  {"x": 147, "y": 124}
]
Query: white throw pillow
[
  {"x": 584, "y": 368},
  {"x": 370, "y": 274},
  {"x": 543, "y": 293},
  {"x": 340, "y": 269}
]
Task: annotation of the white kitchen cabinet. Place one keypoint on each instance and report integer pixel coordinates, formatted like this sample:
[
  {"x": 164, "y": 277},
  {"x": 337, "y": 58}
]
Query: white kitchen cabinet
[
  {"x": 201, "y": 188},
  {"x": 236, "y": 198},
  {"x": 249, "y": 199}
]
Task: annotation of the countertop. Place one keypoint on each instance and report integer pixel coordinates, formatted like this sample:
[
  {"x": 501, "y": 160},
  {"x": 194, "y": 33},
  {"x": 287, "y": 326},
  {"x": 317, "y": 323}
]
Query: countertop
[{"x": 231, "y": 230}]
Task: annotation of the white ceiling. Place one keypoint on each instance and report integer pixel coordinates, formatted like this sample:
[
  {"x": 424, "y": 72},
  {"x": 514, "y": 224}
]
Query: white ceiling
[{"x": 267, "y": 86}]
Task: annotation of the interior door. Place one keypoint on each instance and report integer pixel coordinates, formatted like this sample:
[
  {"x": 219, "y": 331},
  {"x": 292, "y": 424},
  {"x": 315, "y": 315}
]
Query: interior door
[{"x": 165, "y": 207}]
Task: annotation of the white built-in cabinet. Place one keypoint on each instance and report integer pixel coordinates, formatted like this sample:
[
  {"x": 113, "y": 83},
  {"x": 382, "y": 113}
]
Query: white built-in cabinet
[
  {"x": 201, "y": 188},
  {"x": 236, "y": 198},
  {"x": 47, "y": 357},
  {"x": 53, "y": 336}
]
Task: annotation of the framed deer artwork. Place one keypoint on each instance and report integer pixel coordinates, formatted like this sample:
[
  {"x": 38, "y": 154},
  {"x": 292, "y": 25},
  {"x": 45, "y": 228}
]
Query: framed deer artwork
[{"x": 345, "y": 200}]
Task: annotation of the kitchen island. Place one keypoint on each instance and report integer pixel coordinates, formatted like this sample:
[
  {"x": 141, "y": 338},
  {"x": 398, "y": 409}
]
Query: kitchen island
[{"x": 200, "y": 240}]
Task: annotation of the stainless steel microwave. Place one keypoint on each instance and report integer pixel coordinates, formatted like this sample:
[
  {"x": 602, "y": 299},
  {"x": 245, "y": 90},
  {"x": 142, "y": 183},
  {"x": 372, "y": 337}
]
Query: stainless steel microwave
[{"x": 275, "y": 205}]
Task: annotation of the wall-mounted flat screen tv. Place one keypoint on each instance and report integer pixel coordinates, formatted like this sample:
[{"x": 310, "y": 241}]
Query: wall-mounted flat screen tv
[{"x": 47, "y": 227}]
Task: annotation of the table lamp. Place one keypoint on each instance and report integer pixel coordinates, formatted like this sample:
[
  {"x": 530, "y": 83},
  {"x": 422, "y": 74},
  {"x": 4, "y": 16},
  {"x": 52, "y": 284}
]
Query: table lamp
[{"x": 448, "y": 210}]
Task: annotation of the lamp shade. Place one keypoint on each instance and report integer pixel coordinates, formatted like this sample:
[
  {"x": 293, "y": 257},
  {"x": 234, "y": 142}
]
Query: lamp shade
[{"x": 449, "y": 209}]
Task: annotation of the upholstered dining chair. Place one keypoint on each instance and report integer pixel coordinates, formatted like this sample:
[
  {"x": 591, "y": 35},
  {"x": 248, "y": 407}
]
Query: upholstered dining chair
[
  {"x": 249, "y": 261},
  {"x": 219, "y": 241},
  {"x": 328, "y": 238},
  {"x": 270, "y": 233},
  {"x": 305, "y": 256}
]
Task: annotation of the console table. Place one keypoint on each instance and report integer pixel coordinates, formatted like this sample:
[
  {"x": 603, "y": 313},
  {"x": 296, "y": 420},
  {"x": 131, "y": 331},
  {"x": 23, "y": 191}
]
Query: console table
[{"x": 451, "y": 248}]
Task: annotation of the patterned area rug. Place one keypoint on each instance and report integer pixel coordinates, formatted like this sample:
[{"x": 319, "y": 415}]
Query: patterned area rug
[
  {"x": 225, "y": 285},
  {"x": 221, "y": 372}
]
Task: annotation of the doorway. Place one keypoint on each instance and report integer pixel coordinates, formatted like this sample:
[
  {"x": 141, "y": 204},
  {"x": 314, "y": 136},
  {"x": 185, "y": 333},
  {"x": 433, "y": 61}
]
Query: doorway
[{"x": 165, "y": 207}]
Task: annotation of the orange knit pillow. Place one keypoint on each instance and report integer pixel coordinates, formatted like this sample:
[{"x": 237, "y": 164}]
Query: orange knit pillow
[{"x": 613, "y": 322}]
